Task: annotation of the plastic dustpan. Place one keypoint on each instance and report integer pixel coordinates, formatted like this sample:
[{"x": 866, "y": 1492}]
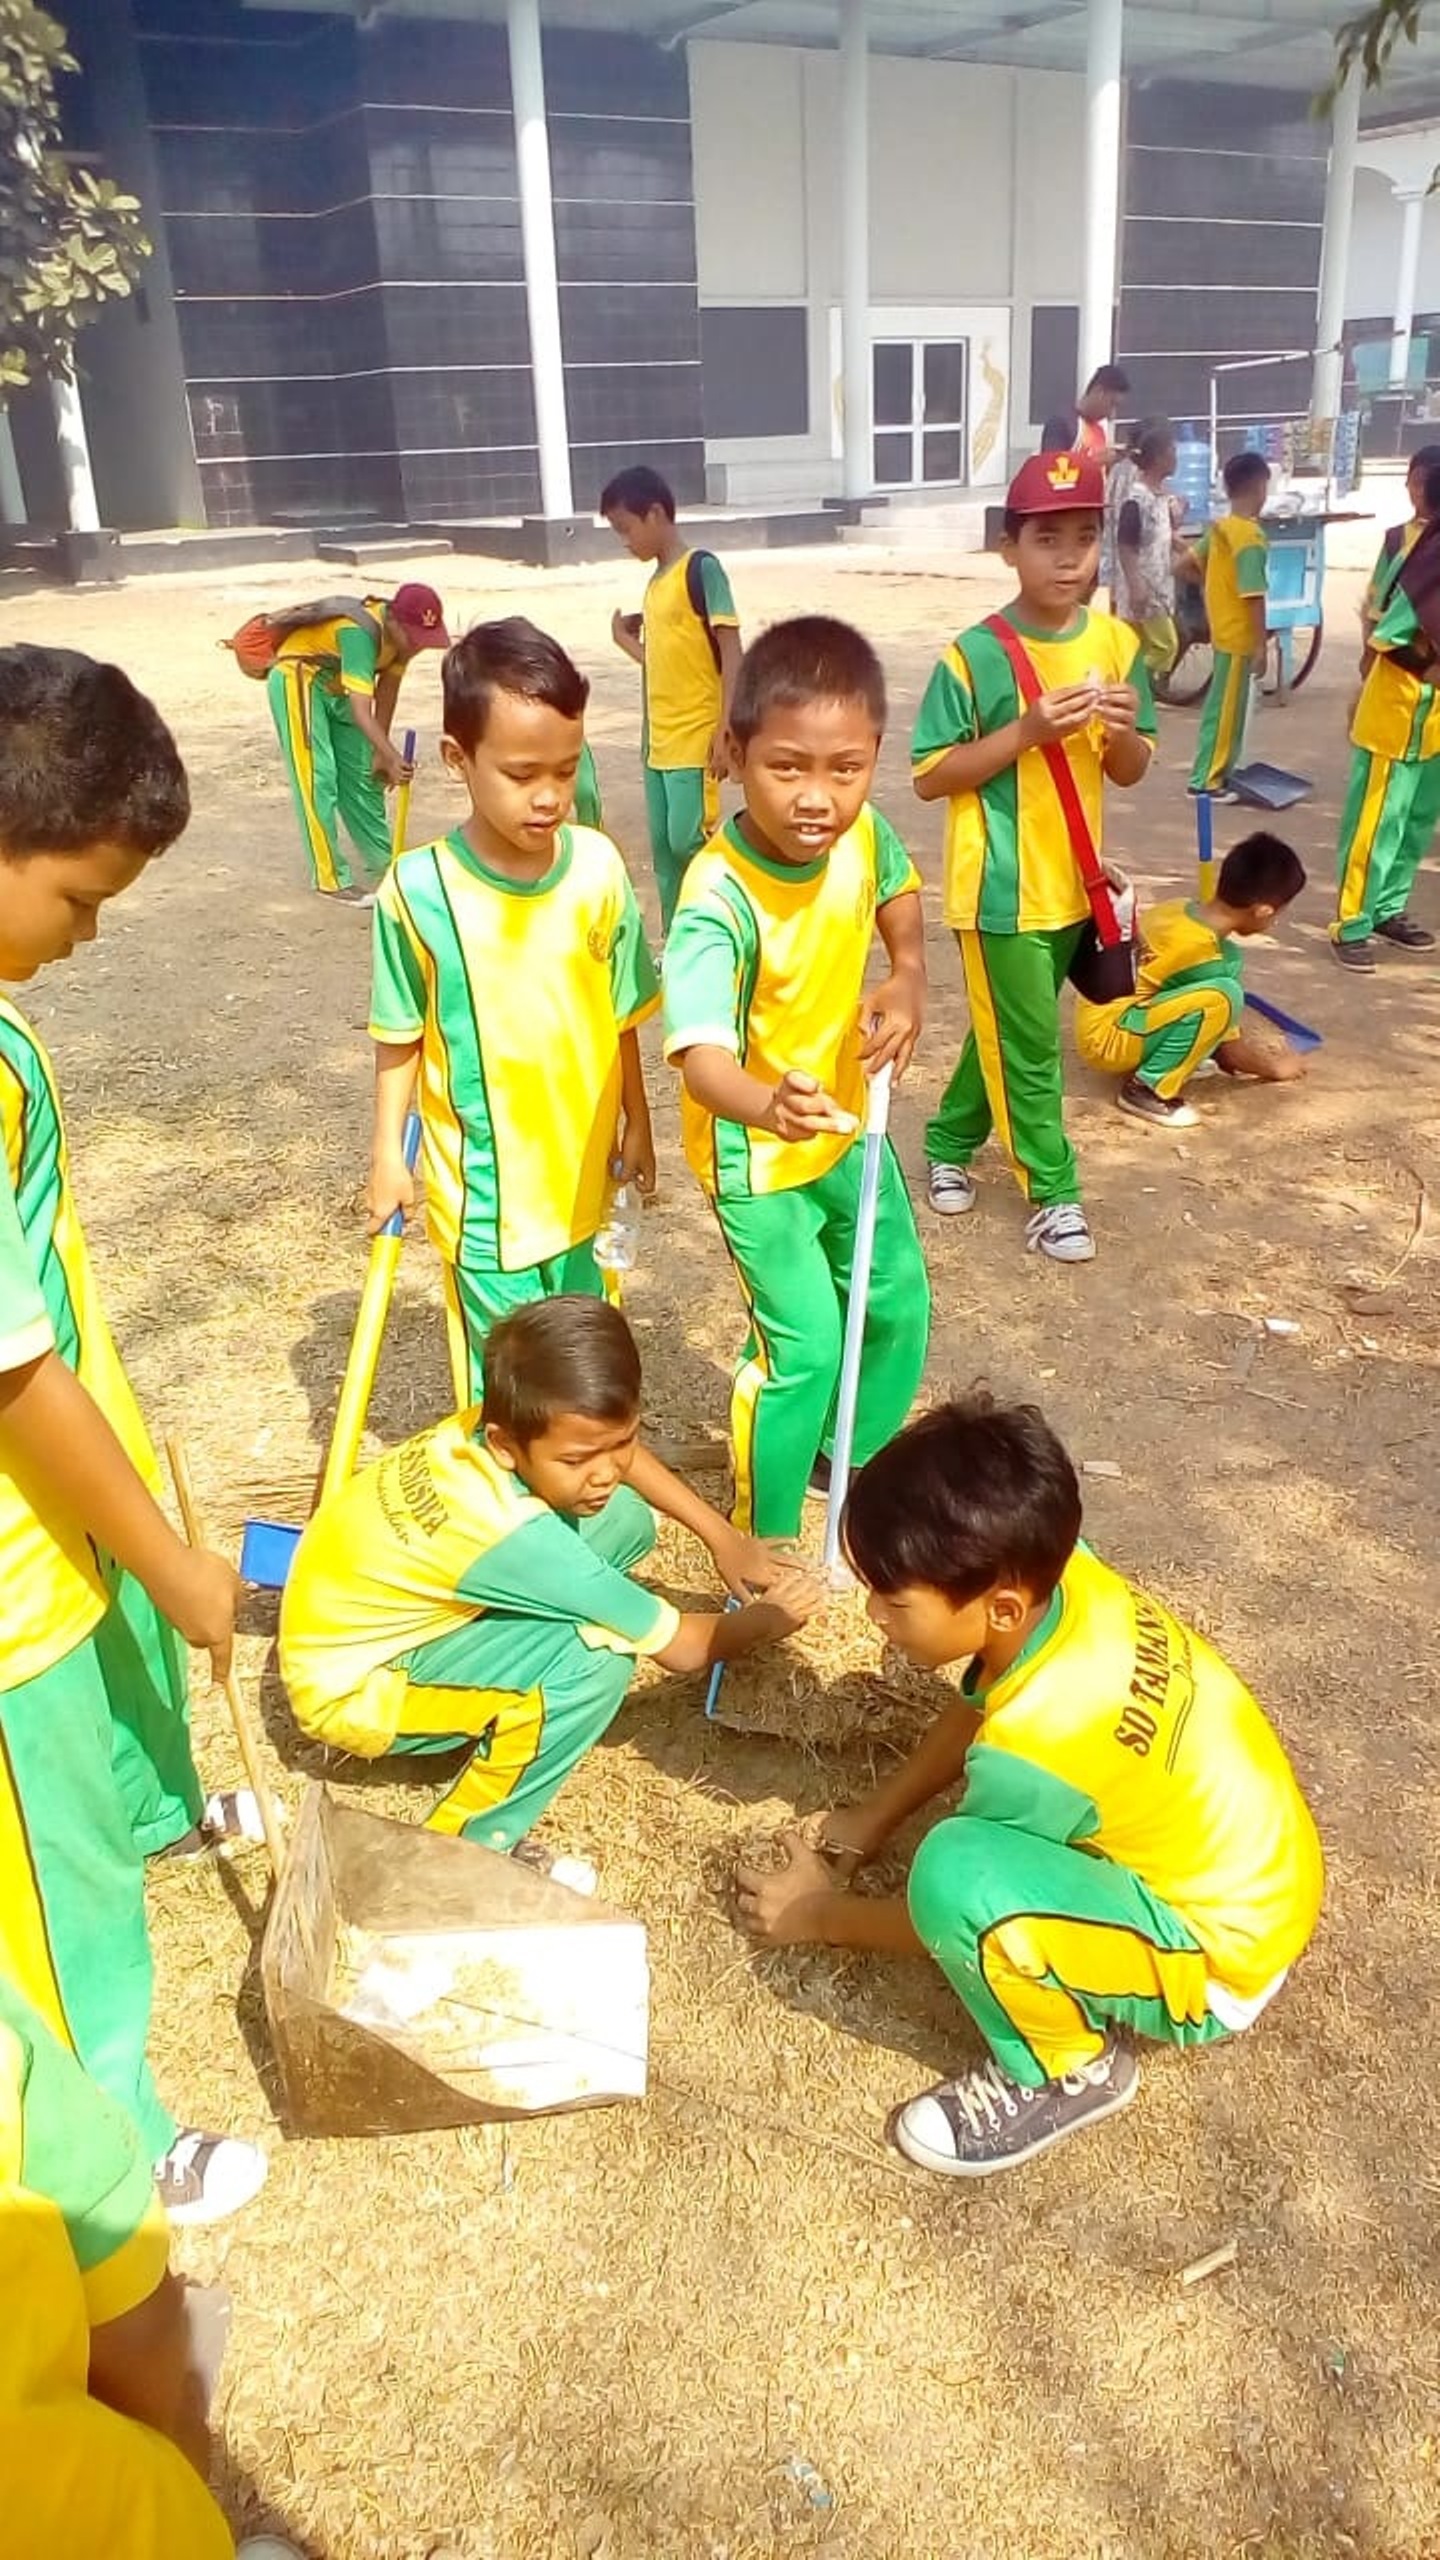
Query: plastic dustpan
[
  {"x": 1269, "y": 786},
  {"x": 267, "y": 1551}
]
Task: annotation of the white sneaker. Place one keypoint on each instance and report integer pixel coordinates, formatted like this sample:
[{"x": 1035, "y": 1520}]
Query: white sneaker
[
  {"x": 1060, "y": 1232},
  {"x": 268, "y": 2546},
  {"x": 205, "y": 2177},
  {"x": 952, "y": 1189}
]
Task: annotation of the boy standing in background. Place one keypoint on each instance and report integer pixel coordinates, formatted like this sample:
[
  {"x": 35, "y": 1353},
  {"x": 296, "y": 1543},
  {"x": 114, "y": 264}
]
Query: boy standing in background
[
  {"x": 1235, "y": 553},
  {"x": 1014, "y": 894},
  {"x": 768, "y": 1017},
  {"x": 687, "y": 642},
  {"x": 510, "y": 972},
  {"x": 1394, "y": 795},
  {"x": 95, "y": 1765}
]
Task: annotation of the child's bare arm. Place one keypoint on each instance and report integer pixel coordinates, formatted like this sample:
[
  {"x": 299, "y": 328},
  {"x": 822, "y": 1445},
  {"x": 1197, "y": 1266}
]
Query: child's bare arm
[
  {"x": 796, "y": 1108},
  {"x": 391, "y": 1185},
  {"x": 894, "y": 1012},
  {"x": 637, "y": 1141},
  {"x": 627, "y": 630},
  {"x": 744, "y": 1564},
  {"x": 56, "y": 1440},
  {"x": 705, "y": 1637},
  {"x": 142, "y": 2364},
  {"x": 1259, "y": 636},
  {"x": 727, "y": 641},
  {"x": 1268, "y": 1061}
]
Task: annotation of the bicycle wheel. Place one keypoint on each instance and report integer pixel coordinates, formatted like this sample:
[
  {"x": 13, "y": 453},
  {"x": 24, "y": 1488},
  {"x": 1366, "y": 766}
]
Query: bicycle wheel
[{"x": 1189, "y": 677}]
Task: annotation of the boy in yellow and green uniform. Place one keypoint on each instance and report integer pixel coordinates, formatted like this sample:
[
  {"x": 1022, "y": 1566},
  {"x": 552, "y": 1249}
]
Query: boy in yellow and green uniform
[
  {"x": 1235, "y": 553},
  {"x": 768, "y": 1018},
  {"x": 510, "y": 973},
  {"x": 333, "y": 690},
  {"x": 1014, "y": 894},
  {"x": 1189, "y": 999},
  {"x": 95, "y": 1764},
  {"x": 476, "y": 1585},
  {"x": 1393, "y": 802},
  {"x": 688, "y": 644},
  {"x": 1130, "y": 1854}
]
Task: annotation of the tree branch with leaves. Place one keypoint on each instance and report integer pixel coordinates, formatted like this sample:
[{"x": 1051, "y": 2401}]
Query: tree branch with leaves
[
  {"x": 70, "y": 240},
  {"x": 1366, "y": 42}
]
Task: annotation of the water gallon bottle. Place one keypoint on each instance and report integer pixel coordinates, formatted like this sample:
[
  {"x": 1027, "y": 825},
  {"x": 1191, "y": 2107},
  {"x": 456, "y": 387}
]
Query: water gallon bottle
[
  {"x": 617, "y": 1246},
  {"x": 1194, "y": 470}
]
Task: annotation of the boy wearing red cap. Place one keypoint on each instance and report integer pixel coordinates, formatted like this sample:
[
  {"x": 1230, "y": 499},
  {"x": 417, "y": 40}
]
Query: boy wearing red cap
[
  {"x": 333, "y": 690},
  {"x": 1014, "y": 894}
]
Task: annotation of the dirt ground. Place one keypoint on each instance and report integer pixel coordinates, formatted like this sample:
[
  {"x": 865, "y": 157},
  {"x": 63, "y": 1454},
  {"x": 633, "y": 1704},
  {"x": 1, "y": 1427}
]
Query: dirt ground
[{"x": 729, "y": 2323}]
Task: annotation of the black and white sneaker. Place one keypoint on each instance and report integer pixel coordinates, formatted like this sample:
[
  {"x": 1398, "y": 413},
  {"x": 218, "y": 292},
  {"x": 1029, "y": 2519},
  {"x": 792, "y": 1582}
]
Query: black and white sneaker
[
  {"x": 205, "y": 2177},
  {"x": 1356, "y": 955},
  {"x": 230, "y": 1821},
  {"x": 984, "y": 2121},
  {"x": 1061, "y": 1232},
  {"x": 1143, "y": 1103},
  {"x": 952, "y": 1189},
  {"x": 1406, "y": 934}
]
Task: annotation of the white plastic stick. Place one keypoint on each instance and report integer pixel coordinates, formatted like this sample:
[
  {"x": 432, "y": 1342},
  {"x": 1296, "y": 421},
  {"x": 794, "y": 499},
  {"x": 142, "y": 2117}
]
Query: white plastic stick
[{"x": 877, "y": 1120}]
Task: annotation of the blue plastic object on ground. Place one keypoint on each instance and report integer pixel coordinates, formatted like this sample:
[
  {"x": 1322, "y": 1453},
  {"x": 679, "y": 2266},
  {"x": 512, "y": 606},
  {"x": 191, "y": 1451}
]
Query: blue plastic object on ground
[{"x": 1299, "y": 1034}]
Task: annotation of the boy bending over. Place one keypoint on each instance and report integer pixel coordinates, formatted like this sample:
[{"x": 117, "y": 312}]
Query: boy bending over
[
  {"x": 475, "y": 1586},
  {"x": 1189, "y": 999},
  {"x": 1130, "y": 1854}
]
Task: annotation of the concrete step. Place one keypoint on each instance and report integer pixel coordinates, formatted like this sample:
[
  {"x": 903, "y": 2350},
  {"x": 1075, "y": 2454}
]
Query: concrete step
[
  {"x": 951, "y": 529},
  {"x": 357, "y": 553}
]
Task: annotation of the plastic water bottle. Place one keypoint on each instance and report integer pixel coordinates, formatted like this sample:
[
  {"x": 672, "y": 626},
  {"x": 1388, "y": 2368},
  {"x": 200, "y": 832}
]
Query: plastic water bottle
[
  {"x": 1194, "y": 465},
  {"x": 617, "y": 1246}
]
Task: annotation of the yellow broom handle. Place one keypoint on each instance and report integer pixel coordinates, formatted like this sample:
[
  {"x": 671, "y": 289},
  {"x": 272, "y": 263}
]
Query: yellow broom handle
[
  {"x": 402, "y": 802},
  {"x": 359, "y": 1378}
]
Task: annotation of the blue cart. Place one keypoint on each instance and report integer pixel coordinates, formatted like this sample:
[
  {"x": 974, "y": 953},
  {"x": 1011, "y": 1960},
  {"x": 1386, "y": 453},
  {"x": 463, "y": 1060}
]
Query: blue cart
[{"x": 1294, "y": 611}]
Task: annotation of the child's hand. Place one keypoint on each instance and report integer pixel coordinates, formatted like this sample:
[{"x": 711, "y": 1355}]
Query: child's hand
[
  {"x": 391, "y": 1186},
  {"x": 780, "y": 1910},
  {"x": 202, "y": 1601},
  {"x": 844, "y": 1835},
  {"x": 626, "y": 630},
  {"x": 718, "y": 762},
  {"x": 391, "y": 769},
  {"x": 635, "y": 1160},
  {"x": 1118, "y": 708},
  {"x": 1057, "y": 716},
  {"x": 747, "y": 1565},
  {"x": 1283, "y": 1066},
  {"x": 796, "y": 1593},
  {"x": 799, "y": 1108},
  {"x": 891, "y": 1018}
]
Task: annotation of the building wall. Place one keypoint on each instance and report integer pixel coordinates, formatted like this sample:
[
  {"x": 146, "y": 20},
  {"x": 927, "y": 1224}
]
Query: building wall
[
  {"x": 1375, "y": 253},
  {"x": 975, "y": 179}
]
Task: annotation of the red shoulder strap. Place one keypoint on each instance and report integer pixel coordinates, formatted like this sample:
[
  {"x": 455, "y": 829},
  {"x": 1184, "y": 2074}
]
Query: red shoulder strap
[{"x": 1057, "y": 764}]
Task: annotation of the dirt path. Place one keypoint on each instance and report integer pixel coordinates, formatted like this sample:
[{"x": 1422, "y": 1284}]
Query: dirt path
[{"x": 730, "y": 2324}]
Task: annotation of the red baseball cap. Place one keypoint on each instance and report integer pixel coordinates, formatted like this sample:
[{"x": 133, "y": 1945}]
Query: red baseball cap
[
  {"x": 421, "y": 616},
  {"x": 1050, "y": 482}
]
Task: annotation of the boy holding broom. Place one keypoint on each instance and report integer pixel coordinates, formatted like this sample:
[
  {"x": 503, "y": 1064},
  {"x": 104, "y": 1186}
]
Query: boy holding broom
[
  {"x": 95, "y": 1765},
  {"x": 770, "y": 1022}
]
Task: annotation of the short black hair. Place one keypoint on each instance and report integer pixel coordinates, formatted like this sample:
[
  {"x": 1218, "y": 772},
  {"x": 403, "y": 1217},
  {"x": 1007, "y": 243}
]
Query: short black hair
[
  {"x": 971, "y": 1494},
  {"x": 513, "y": 656},
  {"x": 560, "y": 1355},
  {"x": 637, "y": 489},
  {"x": 811, "y": 659},
  {"x": 1109, "y": 377},
  {"x": 1261, "y": 871},
  {"x": 85, "y": 758},
  {"x": 1153, "y": 437},
  {"x": 1242, "y": 469}
]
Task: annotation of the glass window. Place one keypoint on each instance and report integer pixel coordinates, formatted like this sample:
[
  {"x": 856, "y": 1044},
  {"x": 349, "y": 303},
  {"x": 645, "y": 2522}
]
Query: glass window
[
  {"x": 942, "y": 454},
  {"x": 893, "y": 363},
  {"x": 894, "y": 460},
  {"x": 944, "y": 382}
]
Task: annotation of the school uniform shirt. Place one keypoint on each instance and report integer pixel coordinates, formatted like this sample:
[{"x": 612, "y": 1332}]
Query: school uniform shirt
[
  {"x": 347, "y": 656},
  {"x": 1009, "y": 861},
  {"x": 1179, "y": 949},
  {"x": 1390, "y": 559},
  {"x": 431, "y": 1538},
  {"x": 1398, "y": 713},
  {"x": 1236, "y": 555},
  {"x": 518, "y": 993},
  {"x": 767, "y": 959},
  {"x": 1120, "y": 1730},
  {"x": 683, "y": 693},
  {"x": 55, "y": 1591}
]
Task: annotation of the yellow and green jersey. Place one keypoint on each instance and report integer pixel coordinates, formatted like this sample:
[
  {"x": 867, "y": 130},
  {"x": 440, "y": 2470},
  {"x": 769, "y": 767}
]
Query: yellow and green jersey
[
  {"x": 1179, "y": 949},
  {"x": 1398, "y": 713},
  {"x": 1009, "y": 861},
  {"x": 682, "y": 679},
  {"x": 1236, "y": 556},
  {"x": 1119, "y": 1729},
  {"x": 347, "y": 655},
  {"x": 434, "y": 1536},
  {"x": 767, "y": 959},
  {"x": 55, "y": 1590},
  {"x": 518, "y": 993},
  {"x": 1390, "y": 559}
]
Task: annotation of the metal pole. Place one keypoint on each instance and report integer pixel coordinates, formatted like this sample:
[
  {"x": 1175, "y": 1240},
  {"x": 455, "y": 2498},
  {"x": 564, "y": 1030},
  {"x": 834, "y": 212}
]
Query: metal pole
[
  {"x": 1412, "y": 225},
  {"x": 1329, "y": 372},
  {"x": 1103, "y": 56},
  {"x": 537, "y": 232},
  {"x": 74, "y": 445},
  {"x": 858, "y": 475},
  {"x": 12, "y": 489}
]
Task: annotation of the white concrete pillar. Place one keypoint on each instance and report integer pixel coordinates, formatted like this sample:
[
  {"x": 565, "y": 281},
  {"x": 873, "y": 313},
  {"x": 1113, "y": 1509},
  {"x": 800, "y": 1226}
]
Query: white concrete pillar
[
  {"x": 853, "y": 160},
  {"x": 1329, "y": 371},
  {"x": 74, "y": 444},
  {"x": 12, "y": 490},
  {"x": 1103, "y": 54},
  {"x": 1412, "y": 200},
  {"x": 537, "y": 233}
]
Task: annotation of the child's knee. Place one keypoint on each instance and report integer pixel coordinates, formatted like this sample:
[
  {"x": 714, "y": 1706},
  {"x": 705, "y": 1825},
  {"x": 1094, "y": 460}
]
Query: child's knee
[{"x": 957, "y": 1880}]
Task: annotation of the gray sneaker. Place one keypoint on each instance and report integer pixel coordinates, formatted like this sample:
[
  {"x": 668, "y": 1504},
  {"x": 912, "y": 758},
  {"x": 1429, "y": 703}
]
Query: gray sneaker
[
  {"x": 984, "y": 2121},
  {"x": 1060, "y": 1231},
  {"x": 1143, "y": 1103},
  {"x": 952, "y": 1189}
]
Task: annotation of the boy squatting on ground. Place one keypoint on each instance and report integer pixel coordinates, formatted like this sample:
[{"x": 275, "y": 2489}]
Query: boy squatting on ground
[
  {"x": 768, "y": 1017},
  {"x": 95, "y": 1765},
  {"x": 510, "y": 971},
  {"x": 1393, "y": 800},
  {"x": 475, "y": 1586},
  {"x": 333, "y": 690},
  {"x": 687, "y": 642},
  {"x": 1235, "y": 555},
  {"x": 104, "y": 2447},
  {"x": 1189, "y": 1000},
  {"x": 1130, "y": 1855},
  {"x": 1014, "y": 895}
]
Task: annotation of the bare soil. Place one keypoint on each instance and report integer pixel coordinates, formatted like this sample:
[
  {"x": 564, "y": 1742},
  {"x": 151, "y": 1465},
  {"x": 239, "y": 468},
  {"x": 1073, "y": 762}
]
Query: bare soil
[{"x": 730, "y": 2323}]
